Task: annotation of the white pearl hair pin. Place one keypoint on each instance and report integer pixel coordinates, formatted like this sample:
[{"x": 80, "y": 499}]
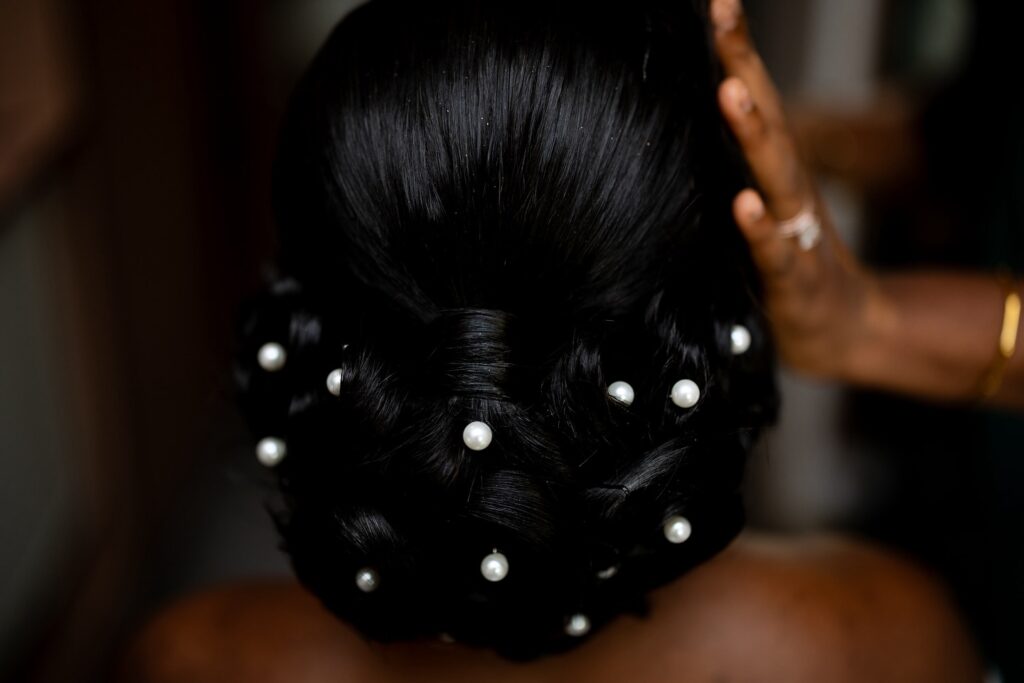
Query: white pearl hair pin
[
  {"x": 477, "y": 436},
  {"x": 685, "y": 393},
  {"x": 622, "y": 392},
  {"x": 678, "y": 530},
  {"x": 577, "y": 626},
  {"x": 494, "y": 567},
  {"x": 334, "y": 381},
  {"x": 367, "y": 580},
  {"x": 272, "y": 357},
  {"x": 740, "y": 339},
  {"x": 270, "y": 452}
]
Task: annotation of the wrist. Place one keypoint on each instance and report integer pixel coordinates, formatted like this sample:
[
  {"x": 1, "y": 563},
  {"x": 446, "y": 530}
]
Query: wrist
[{"x": 872, "y": 319}]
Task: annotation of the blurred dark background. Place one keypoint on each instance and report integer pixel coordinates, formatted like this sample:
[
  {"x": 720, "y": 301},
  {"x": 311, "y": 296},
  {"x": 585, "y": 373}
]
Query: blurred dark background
[{"x": 135, "y": 146}]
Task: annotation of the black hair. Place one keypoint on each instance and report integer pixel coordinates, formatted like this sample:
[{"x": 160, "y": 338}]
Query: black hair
[{"x": 490, "y": 211}]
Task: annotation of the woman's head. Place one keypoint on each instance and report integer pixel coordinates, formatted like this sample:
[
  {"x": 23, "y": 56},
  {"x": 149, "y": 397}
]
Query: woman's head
[{"x": 491, "y": 212}]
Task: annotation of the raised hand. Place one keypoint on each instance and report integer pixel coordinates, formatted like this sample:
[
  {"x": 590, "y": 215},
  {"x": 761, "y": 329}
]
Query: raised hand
[{"x": 816, "y": 292}]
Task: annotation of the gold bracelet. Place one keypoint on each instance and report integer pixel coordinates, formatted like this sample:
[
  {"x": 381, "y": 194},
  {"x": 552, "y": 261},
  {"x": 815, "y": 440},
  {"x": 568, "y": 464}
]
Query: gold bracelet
[{"x": 1007, "y": 338}]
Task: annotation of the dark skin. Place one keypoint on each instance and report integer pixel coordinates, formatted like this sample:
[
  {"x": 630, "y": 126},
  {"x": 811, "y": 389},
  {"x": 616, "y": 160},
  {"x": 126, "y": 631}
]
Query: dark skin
[{"x": 819, "y": 609}]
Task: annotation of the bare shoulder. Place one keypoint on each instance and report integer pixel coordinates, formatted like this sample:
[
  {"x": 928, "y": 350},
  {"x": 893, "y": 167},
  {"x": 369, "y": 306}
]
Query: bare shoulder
[
  {"x": 253, "y": 631},
  {"x": 820, "y": 608}
]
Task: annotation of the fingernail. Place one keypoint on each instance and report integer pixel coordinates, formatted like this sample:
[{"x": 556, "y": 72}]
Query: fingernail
[
  {"x": 754, "y": 207},
  {"x": 742, "y": 96},
  {"x": 725, "y": 14}
]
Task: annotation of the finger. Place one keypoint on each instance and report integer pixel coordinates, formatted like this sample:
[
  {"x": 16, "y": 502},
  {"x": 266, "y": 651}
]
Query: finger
[
  {"x": 775, "y": 257},
  {"x": 740, "y": 58},
  {"x": 769, "y": 151}
]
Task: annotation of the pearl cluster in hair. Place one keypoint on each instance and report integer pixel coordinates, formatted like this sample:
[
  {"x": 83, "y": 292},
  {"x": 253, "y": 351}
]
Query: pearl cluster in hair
[{"x": 478, "y": 436}]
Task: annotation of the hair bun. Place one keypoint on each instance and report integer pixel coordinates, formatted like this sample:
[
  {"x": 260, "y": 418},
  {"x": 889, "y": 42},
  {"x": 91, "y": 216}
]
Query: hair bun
[{"x": 496, "y": 215}]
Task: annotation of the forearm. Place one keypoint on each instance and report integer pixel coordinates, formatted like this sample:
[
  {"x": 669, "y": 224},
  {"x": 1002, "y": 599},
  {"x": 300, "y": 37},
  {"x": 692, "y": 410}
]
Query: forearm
[{"x": 934, "y": 335}]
